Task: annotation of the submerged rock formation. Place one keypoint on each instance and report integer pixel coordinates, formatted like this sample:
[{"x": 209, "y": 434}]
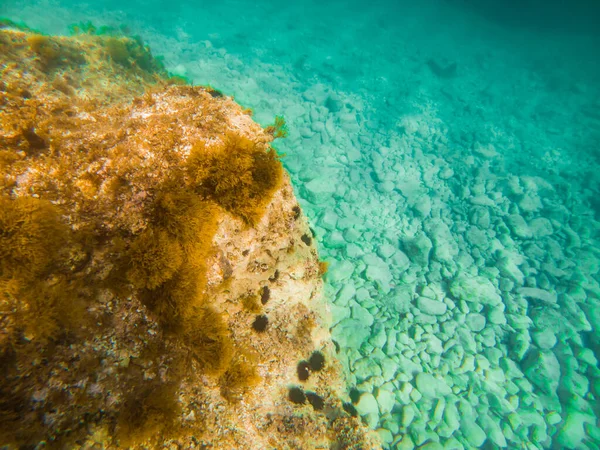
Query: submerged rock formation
[{"x": 158, "y": 283}]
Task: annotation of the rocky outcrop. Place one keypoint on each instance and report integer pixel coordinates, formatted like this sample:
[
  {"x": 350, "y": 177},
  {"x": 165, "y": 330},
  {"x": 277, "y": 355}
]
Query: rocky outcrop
[{"x": 159, "y": 281}]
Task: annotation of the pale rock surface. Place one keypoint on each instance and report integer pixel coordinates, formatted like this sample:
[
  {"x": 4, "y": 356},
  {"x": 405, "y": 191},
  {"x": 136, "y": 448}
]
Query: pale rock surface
[
  {"x": 367, "y": 404},
  {"x": 472, "y": 432},
  {"x": 432, "y": 307},
  {"x": 572, "y": 433},
  {"x": 320, "y": 190},
  {"x": 519, "y": 226},
  {"x": 378, "y": 271},
  {"x": 540, "y": 295},
  {"x": 476, "y": 322},
  {"x": 350, "y": 333},
  {"x": 340, "y": 271},
  {"x": 385, "y": 400},
  {"x": 493, "y": 431},
  {"x": 475, "y": 289},
  {"x": 544, "y": 339},
  {"x": 541, "y": 227}
]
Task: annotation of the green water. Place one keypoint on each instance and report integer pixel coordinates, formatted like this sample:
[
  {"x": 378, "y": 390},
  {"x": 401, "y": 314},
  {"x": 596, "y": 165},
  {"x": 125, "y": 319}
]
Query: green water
[{"x": 447, "y": 155}]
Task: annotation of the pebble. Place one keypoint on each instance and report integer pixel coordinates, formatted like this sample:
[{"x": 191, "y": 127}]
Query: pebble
[
  {"x": 475, "y": 289},
  {"x": 451, "y": 417},
  {"x": 350, "y": 333},
  {"x": 431, "y": 307},
  {"x": 493, "y": 431},
  {"x": 334, "y": 239},
  {"x": 434, "y": 345},
  {"x": 346, "y": 293},
  {"x": 586, "y": 355},
  {"x": 575, "y": 383},
  {"x": 408, "y": 414},
  {"x": 386, "y": 250},
  {"x": 367, "y": 404},
  {"x": 476, "y": 322},
  {"x": 389, "y": 367},
  {"x": 385, "y": 436},
  {"x": 472, "y": 432},
  {"x": 453, "y": 444},
  {"x": 340, "y": 271},
  {"x": 328, "y": 220},
  {"x": 432, "y": 446},
  {"x": 385, "y": 400},
  {"x": 438, "y": 411},
  {"x": 406, "y": 443},
  {"x": 541, "y": 295},
  {"x": 418, "y": 249},
  {"x": 519, "y": 226},
  {"x": 544, "y": 339},
  {"x": 367, "y": 367},
  {"x": 320, "y": 190},
  {"x": 572, "y": 433},
  {"x": 530, "y": 203},
  {"x": 543, "y": 370},
  {"x": 362, "y": 315},
  {"x": 541, "y": 227},
  {"x": 496, "y": 316}
]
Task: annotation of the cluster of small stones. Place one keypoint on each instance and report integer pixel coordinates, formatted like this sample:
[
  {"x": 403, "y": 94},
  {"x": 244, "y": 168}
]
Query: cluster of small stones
[{"x": 465, "y": 305}]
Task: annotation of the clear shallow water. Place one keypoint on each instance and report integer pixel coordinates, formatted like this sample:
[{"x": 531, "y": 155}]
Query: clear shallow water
[{"x": 447, "y": 156}]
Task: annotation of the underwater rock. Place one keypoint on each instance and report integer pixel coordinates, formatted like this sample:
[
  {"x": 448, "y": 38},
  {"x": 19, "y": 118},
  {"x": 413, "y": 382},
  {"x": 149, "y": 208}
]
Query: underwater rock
[
  {"x": 386, "y": 400},
  {"x": 442, "y": 70},
  {"x": 543, "y": 370},
  {"x": 378, "y": 271},
  {"x": 432, "y": 307},
  {"x": 475, "y": 290},
  {"x": 367, "y": 405},
  {"x": 572, "y": 433},
  {"x": 476, "y": 322},
  {"x": 473, "y": 433},
  {"x": 519, "y": 226},
  {"x": 320, "y": 190},
  {"x": 140, "y": 220},
  {"x": 540, "y": 295},
  {"x": 418, "y": 249},
  {"x": 431, "y": 387},
  {"x": 351, "y": 333},
  {"x": 340, "y": 271}
]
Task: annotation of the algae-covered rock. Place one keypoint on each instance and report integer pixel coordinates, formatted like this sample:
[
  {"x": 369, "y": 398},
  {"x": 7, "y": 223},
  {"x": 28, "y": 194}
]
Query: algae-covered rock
[
  {"x": 572, "y": 433},
  {"x": 141, "y": 219},
  {"x": 543, "y": 370}
]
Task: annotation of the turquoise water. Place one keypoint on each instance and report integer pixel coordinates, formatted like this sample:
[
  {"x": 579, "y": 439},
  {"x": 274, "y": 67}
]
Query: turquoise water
[{"x": 447, "y": 155}]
